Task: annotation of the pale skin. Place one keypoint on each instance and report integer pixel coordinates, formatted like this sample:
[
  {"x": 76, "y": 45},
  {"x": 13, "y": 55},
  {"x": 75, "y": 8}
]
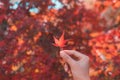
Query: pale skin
[{"x": 78, "y": 67}]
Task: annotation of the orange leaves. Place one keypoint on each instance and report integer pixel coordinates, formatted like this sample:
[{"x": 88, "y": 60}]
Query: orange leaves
[
  {"x": 15, "y": 67},
  {"x": 117, "y": 4},
  {"x": 20, "y": 41},
  {"x": 36, "y": 37},
  {"x": 105, "y": 48},
  {"x": 95, "y": 34},
  {"x": 36, "y": 70},
  {"x": 29, "y": 52},
  {"x": 27, "y": 43},
  {"x": 60, "y": 42},
  {"x": 94, "y": 72},
  {"x": 13, "y": 28}
]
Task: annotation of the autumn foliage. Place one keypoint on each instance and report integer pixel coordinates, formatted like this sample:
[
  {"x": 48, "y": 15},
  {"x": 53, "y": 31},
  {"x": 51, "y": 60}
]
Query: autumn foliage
[{"x": 26, "y": 38}]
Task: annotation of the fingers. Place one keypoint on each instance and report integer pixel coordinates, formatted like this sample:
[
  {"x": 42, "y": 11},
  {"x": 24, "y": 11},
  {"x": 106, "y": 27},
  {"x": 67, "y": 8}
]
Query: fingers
[
  {"x": 75, "y": 55},
  {"x": 66, "y": 68},
  {"x": 75, "y": 67},
  {"x": 66, "y": 58}
]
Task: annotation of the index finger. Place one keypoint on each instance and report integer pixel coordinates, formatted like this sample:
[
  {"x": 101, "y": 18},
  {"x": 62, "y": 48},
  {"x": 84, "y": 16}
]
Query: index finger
[{"x": 75, "y": 53}]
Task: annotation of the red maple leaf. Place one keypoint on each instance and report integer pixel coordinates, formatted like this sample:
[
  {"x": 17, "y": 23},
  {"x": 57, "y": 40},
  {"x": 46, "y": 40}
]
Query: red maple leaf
[{"x": 60, "y": 42}]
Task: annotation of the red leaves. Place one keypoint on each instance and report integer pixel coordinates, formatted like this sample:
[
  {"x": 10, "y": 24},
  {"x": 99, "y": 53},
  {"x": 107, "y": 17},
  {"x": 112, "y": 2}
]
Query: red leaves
[
  {"x": 2, "y": 43},
  {"x": 105, "y": 48},
  {"x": 25, "y": 40},
  {"x": 2, "y": 12},
  {"x": 2, "y": 17},
  {"x": 1, "y": 5},
  {"x": 60, "y": 42}
]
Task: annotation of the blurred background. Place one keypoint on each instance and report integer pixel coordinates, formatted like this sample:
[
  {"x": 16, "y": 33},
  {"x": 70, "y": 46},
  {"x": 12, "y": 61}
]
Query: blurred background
[{"x": 27, "y": 28}]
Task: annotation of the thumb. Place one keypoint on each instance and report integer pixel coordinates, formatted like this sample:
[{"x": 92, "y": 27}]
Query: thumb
[{"x": 66, "y": 58}]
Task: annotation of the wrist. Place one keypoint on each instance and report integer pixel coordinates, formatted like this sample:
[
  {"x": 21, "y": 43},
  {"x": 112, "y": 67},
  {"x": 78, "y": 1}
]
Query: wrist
[{"x": 81, "y": 78}]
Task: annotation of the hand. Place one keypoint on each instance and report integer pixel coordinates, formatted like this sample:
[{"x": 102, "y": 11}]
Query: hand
[{"x": 78, "y": 62}]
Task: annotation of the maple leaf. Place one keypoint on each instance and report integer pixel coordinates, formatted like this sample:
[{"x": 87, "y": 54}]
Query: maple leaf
[{"x": 60, "y": 42}]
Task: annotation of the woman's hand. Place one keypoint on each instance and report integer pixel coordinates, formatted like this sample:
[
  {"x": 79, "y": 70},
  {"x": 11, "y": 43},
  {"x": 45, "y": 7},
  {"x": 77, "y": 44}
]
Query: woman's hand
[{"x": 78, "y": 62}]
